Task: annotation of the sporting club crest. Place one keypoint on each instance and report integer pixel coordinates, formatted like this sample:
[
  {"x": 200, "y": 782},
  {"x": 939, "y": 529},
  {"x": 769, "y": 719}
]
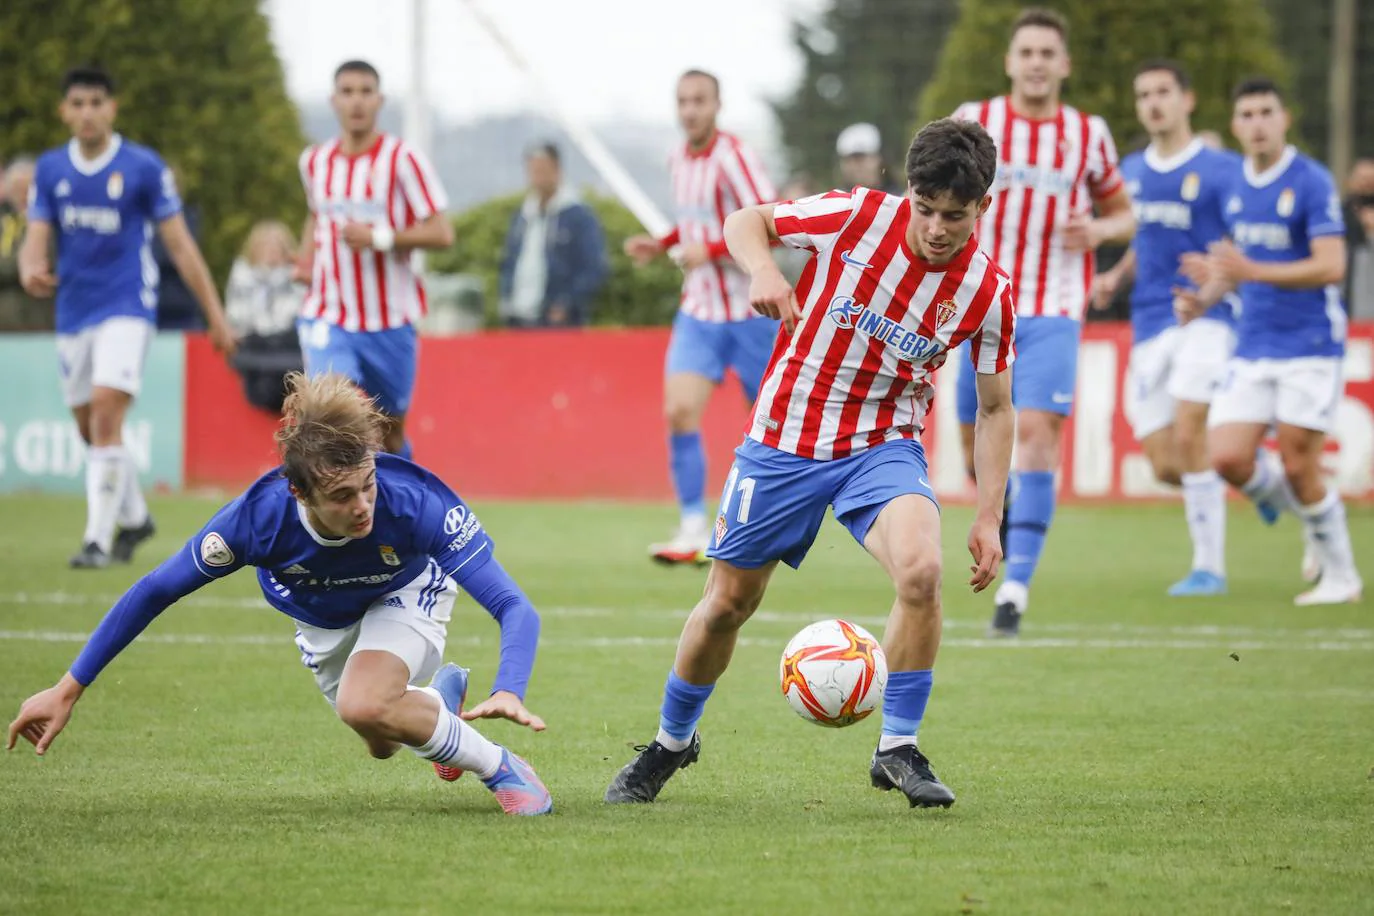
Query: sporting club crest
[{"x": 944, "y": 311}]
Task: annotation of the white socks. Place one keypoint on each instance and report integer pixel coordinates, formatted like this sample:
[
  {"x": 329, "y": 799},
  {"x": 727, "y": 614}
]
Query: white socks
[
  {"x": 888, "y": 742},
  {"x": 675, "y": 745},
  {"x": 106, "y": 472},
  {"x": 1330, "y": 536},
  {"x": 457, "y": 744},
  {"x": 133, "y": 509},
  {"x": 1204, "y": 504},
  {"x": 1268, "y": 484}
]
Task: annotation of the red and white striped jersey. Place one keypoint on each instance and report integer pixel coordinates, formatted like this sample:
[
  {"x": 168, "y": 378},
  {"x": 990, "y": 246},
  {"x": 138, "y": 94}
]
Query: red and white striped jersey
[
  {"x": 391, "y": 184},
  {"x": 709, "y": 185},
  {"x": 1046, "y": 171},
  {"x": 877, "y": 321}
]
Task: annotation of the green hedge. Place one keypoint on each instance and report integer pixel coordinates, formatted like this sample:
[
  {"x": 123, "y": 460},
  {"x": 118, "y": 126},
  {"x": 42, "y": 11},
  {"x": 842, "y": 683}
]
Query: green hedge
[{"x": 632, "y": 296}]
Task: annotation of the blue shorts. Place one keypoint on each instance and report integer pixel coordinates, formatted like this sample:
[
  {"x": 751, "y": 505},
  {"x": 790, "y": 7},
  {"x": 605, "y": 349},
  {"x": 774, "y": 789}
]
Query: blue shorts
[
  {"x": 774, "y": 502},
  {"x": 1046, "y": 370},
  {"x": 382, "y": 363},
  {"x": 710, "y": 347}
]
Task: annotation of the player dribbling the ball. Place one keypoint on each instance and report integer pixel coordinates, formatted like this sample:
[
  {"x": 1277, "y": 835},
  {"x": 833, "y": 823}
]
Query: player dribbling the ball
[{"x": 894, "y": 283}]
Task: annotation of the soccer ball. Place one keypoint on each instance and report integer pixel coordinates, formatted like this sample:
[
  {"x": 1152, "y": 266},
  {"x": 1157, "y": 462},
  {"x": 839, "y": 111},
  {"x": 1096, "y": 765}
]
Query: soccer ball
[{"x": 833, "y": 673}]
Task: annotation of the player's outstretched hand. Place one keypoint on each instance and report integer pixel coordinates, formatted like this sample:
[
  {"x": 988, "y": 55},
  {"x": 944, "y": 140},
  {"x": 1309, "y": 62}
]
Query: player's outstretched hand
[
  {"x": 504, "y": 705},
  {"x": 642, "y": 249},
  {"x": 44, "y": 715},
  {"x": 1227, "y": 263},
  {"x": 986, "y": 548},
  {"x": 772, "y": 296}
]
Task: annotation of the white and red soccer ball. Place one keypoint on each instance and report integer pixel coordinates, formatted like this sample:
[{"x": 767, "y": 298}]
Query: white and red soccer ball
[{"x": 833, "y": 673}]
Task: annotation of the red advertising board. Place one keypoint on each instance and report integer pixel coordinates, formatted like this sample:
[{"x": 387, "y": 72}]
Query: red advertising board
[{"x": 577, "y": 415}]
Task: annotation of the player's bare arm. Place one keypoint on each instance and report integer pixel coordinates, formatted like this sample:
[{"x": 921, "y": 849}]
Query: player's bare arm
[
  {"x": 993, "y": 434},
  {"x": 185, "y": 254},
  {"x": 1324, "y": 267},
  {"x": 35, "y": 270},
  {"x": 433, "y": 232},
  {"x": 1106, "y": 284},
  {"x": 44, "y": 715},
  {"x": 1115, "y": 222},
  {"x": 750, "y": 234},
  {"x": 305, "y": 259}
]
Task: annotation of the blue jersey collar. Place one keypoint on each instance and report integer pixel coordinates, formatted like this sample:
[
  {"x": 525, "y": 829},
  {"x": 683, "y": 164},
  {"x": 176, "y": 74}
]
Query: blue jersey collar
[{"x": 93, "y": 166}]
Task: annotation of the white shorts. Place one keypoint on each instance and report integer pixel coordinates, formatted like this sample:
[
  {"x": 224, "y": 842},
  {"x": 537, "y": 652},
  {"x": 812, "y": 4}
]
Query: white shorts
[
  {"x": 397, "y": 622},
  {"x": 1301, "y": 392},
  {"x": 1181, "y": 364},
  {"x": 105, "y": 355}
]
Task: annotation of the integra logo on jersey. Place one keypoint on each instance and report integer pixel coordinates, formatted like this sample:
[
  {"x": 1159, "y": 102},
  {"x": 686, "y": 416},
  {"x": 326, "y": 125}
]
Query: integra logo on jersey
[
  {"x": 104, "y": 220},
  {"x": 1274, "y": 236},
  {"x": 1035, "y": 177},
  {"x": 855, "y": 316},
  {"x": 1168, "y": 213}
]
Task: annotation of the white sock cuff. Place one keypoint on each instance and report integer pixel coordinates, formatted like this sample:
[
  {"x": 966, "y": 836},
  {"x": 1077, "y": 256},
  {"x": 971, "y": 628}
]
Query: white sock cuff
[
  {"x": 1321, "y": 506},
  {"x": 105, "y": 453},
  {"x": 1200, "y": 478}
]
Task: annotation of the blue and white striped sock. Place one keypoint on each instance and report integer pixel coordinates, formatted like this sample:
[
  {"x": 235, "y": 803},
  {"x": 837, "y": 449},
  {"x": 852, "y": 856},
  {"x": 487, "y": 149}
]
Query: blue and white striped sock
[{"x": 457, "y": 744}]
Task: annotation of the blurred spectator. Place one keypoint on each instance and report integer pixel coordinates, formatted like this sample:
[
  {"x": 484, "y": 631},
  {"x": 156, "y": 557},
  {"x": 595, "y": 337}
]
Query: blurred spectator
[
  {"x": 554, "y": 260},
  {"x": 177, "y": 308},
  {"x": 860, "y": 148},
  {"x": 1211, "y": 139},
  {"x": 1359, "y": 228},
  {"x": 18, "y": 310},
  {"x": 261, "y": 303}
]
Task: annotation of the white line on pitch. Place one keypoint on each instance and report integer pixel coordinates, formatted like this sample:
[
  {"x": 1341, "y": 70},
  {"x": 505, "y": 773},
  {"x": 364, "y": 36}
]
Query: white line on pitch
[
  {"x": 588, "y": 642},
  {"x": 795, "y": 618}
]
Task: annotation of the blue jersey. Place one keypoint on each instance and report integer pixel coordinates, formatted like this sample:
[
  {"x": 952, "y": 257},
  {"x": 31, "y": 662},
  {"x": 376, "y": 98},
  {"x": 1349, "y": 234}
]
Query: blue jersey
[
  {"x": 1180, "y": 206},
  {"x": 103, "y": 212},
  {"x": 1273, "y": 218},
  {"x": 420, "y": 529}
]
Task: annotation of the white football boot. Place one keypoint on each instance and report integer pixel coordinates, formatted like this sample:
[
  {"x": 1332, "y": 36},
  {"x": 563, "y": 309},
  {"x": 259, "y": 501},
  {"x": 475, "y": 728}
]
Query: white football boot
[{"x": 688, "y": 545}]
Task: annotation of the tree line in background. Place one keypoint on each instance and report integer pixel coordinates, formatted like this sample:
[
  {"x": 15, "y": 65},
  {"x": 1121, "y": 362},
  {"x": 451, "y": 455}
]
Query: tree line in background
[{"x": 201, "y": 82}]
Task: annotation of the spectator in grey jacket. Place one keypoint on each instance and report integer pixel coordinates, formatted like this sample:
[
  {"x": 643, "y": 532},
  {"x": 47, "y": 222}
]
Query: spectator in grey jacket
[
  {"x": 1359, "y": 227},
  {"x": 554, "y": 260}
]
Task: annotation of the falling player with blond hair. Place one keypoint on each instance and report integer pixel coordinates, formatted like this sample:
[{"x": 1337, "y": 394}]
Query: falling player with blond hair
[{"x": 365, "y": 552}]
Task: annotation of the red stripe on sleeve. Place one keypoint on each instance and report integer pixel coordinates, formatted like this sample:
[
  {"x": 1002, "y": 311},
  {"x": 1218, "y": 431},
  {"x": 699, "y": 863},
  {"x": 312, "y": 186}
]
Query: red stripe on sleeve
[{"x": 420, "y": 180}]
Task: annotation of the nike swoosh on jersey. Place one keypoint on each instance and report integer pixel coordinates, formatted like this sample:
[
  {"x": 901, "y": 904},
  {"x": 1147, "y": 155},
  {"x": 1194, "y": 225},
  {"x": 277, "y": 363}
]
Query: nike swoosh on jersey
[{"x": 845, "y": 256}]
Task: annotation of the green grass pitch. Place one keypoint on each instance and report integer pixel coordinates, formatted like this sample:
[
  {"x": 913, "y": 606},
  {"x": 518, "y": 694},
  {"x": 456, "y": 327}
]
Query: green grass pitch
[{"x": 1133, "y": 754}]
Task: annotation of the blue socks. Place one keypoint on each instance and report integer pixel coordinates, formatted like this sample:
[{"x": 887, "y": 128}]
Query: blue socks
[
  {"x": 1027, "y": 523},
  {"x": 688, "y": 462},
  {"x": 682, "y": 707},
  {"x": 406, "y": 451},
  {"x": 904, "y": 706}
]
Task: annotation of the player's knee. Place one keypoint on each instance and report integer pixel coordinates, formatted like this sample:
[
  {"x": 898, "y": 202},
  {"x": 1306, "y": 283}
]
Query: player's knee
[
  {"x": 1234, "y": 465},
  {"x": 917, "y": 581},
  {"x": 366, "y": 714},
  {"x": 728, "y": 606},
  {"x": 682, "y": 417}
]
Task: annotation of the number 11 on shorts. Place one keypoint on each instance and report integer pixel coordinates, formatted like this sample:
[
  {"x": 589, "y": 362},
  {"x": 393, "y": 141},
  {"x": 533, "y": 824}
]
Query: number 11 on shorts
[{"x": 746, "y": 495}]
